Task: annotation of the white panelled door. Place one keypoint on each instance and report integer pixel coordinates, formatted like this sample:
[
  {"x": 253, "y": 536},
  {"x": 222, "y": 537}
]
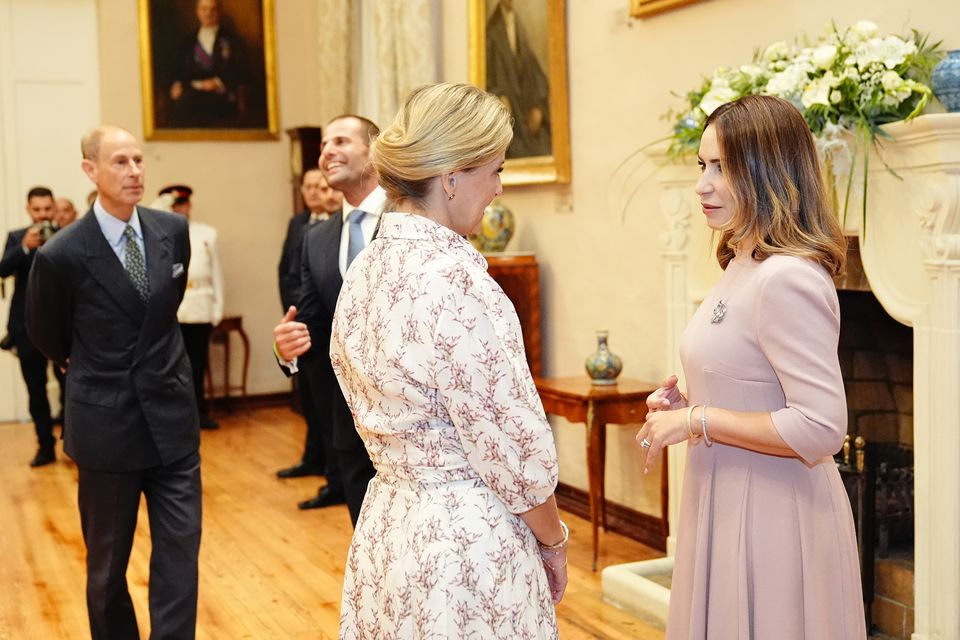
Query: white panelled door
[{"x": 49, "y": 95}]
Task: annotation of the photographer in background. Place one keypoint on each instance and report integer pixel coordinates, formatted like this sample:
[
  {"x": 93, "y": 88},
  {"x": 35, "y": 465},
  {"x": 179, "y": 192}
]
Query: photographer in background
[{"x": 22, "y": 245}]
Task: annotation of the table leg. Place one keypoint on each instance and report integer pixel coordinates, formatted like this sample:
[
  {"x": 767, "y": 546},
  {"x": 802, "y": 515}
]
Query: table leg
[
  {"x": 594, "y": 474},
  {"x": 601, "y": 462}
]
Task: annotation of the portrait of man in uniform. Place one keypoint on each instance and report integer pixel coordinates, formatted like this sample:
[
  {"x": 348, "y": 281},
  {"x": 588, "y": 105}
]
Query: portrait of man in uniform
[{"x": 208, "y": 68}]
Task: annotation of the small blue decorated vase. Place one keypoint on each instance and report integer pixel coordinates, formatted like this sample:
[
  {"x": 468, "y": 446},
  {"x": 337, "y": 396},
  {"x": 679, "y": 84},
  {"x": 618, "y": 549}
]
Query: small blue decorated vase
[
  {"x": 946, "y": 81},
  {"x": 496, "y": 229},
  {"x": 603, "y": 367}
]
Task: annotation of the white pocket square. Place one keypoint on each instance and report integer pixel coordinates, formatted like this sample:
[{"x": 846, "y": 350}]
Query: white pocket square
[{"x": 177, "y": 270}]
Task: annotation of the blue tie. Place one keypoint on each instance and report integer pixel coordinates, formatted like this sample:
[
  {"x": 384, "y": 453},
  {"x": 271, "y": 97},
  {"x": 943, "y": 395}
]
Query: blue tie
[{"x": 355, "y": 245}]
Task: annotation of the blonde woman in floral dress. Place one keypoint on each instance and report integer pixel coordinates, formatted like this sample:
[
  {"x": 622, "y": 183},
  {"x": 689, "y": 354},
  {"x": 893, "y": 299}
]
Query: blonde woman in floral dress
[
  {"x": 765, "y": 542},
  {"x": 459, "y": 536}
]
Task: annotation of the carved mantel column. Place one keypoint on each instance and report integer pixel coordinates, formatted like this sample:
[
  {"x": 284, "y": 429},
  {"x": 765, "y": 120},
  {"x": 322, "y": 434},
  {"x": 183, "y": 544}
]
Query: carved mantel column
[{"x": 911, "y": 256}]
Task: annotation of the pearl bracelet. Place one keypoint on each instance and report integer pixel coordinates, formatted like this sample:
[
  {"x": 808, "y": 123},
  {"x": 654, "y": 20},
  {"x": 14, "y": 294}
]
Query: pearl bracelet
[{"x": 559, "y": 545}]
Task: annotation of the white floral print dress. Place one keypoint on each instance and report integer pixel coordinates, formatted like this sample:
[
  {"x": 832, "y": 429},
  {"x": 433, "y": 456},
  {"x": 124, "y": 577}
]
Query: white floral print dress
[{"x": 428, "y": 351}]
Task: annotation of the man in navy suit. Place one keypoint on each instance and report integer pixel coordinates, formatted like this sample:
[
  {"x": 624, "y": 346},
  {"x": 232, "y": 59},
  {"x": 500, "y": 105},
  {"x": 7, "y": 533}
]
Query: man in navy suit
[
  {"x": 328, "y": 248},
  {"x": 102, "y": 301},
  {"x": 22, "y": 245},
  {"x": 321, "y": 201}
]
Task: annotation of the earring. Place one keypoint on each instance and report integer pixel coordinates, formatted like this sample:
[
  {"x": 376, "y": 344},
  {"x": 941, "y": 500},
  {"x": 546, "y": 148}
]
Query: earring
[{"x": 450, "y": 196}]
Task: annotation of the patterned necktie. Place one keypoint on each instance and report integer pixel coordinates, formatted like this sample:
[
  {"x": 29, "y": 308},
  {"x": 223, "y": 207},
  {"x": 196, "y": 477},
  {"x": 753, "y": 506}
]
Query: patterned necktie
[
  {"x": 133, "y": 263},
  {"x": 356, "y": 243}
]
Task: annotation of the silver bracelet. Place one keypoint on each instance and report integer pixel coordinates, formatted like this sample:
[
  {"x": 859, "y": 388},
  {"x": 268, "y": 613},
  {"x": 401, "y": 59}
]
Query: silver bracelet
[
  {"x": 703, "y": 426},
  {"x": 560, "y": 545}
]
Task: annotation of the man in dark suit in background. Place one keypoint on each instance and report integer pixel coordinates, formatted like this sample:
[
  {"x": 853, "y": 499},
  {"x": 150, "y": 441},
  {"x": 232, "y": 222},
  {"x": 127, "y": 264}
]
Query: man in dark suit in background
[
  {"x": 102, "y": 301},
  {"x": 328, "y": 249},
  {"x": 22, "y": 245},
  {"x": 321, "y": 201}
]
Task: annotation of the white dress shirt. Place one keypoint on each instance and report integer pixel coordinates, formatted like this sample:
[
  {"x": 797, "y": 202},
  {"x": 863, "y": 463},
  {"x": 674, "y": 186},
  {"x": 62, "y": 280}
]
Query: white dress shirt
[{"x": 373, "y": 204}]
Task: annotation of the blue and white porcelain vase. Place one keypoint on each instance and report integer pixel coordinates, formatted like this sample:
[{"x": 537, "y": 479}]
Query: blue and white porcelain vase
[
  {"x": 603, "y": 367},
  {"x": 946, "y": 81}
]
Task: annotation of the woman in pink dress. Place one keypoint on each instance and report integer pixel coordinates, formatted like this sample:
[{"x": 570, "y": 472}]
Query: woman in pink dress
[
  {"x": 765, "y": 543},
  {"x": 459, "y": 535}
]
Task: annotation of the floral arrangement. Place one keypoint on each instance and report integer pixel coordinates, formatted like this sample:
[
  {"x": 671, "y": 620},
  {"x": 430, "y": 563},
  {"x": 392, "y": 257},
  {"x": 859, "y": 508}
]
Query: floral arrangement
[{"x": 847, "y": 84}]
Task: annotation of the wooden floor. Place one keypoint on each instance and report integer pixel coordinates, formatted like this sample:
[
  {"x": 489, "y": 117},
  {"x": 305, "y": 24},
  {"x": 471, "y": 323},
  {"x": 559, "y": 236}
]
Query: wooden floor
[{"x": 267, "y": 570}]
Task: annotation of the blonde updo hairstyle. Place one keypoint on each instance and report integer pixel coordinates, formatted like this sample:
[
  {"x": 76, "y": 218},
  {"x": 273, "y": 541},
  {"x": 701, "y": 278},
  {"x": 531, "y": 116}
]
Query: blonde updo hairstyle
[{"x": 440, "y": 129}]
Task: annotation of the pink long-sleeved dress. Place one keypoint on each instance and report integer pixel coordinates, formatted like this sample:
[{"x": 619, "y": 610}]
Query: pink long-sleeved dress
[{"x": 766, "y": 545}]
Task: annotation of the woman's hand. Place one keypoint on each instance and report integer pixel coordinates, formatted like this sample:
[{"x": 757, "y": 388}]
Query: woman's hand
[
  {"x": 667, "y": 397},
  {"x": 661, "y": 429},
  {"x": 555, "y": 562}
]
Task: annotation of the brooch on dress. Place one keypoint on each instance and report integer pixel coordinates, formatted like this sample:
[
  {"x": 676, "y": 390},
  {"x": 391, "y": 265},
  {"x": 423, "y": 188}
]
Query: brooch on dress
[{"x": 718, "y": 312}]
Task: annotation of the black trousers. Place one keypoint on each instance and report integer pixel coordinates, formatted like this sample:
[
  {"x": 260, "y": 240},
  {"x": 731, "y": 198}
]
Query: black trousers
[
  {"x": 316, "y": 379},
  {"x": 314, "y": 453},
  {"x": 33, "y": 367},
  {"x": 196, "y": 341},
  {"x": 356, "y": 470},
  {"x": 108, "y": 517}
]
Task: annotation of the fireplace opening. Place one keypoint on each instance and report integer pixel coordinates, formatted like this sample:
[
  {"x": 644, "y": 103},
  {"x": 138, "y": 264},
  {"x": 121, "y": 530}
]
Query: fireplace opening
[{"x": 876, "y": 360}]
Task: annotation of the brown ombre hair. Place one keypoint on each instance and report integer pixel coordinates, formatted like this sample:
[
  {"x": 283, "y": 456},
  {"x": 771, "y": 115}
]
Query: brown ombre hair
[{"x": 769, "y": 159}]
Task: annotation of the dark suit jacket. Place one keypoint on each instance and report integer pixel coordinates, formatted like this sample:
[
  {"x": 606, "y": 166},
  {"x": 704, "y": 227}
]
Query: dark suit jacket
[
  {"x": 288, "y": 270},
  {"x": 16, "y": 263},
  {"x": 320, "y": 286},
  {"x": 129, "y": 398}
]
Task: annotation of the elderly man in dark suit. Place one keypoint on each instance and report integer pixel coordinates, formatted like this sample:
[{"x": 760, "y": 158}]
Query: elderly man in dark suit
[
  {"x": 328, "y": 250},
  {"x": 102, "y": 301},
  {"x": 22, "y": 245},
  {"x": 321, "y": 201}
]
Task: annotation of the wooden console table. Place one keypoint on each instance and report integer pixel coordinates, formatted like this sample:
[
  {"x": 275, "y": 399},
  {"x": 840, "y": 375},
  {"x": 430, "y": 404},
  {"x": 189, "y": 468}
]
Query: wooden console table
[{"x": 577, "y": 400}]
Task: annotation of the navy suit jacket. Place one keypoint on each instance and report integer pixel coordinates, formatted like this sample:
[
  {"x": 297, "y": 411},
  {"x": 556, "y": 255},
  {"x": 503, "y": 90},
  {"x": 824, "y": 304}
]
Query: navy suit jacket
[
  {"x": 16, "y": 263},
  {"x": 129, "y": 396}
]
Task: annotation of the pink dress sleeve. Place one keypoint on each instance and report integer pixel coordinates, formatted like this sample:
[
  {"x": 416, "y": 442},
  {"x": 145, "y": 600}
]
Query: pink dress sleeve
[
  {"x": 486, "y": 387},
  {"x": 799, "y": 327}
]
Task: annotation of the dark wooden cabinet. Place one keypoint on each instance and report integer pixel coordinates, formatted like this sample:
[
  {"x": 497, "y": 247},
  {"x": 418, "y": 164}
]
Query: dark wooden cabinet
[
  {"x": 304, "y": 154},
  {"x": 519, "y": 276}
]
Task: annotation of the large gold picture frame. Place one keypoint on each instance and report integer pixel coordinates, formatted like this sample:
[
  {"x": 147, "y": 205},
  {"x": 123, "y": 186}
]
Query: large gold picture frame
[
  {"x": 527, "y": 69},
  {"x": 646, "y": 8},
  {"x": 226, "y": 93}
]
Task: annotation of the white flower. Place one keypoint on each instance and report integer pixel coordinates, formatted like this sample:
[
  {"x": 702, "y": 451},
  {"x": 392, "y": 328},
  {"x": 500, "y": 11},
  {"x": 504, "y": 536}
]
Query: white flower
[
  {"x": 777, "y": 51},
  {"x": 890, "y": 52},
  {"x": 824, "y": 56},
  {"x": 835, "y": 97},
  {"x": 819, "y": 90},
  {"x": 789, "y": 82},
  {"x": 753, "y": 72},
  {"x": 719, "y": 93},
  {"x": 862, "y": 30}
]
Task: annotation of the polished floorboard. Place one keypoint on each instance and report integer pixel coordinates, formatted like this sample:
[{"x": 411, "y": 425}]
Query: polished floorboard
[{"x": 267, "y": 570}]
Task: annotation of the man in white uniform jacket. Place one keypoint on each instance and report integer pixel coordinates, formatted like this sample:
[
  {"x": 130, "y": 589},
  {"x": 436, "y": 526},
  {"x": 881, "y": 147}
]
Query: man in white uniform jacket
[{"x": 202, "y": 306}]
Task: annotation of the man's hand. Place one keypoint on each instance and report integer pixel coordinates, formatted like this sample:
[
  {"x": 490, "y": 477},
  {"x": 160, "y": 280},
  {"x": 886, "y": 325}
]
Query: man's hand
[
  {"x": 291, "y": 338},
  {"x": 176, "y": 90},
  {"x": 32, "y": 239}
]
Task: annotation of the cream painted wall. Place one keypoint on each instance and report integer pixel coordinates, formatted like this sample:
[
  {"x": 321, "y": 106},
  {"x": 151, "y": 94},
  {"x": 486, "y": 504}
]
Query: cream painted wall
[
  {"x": 241, "y": 188},
  {"x": 600, "y": 263}
]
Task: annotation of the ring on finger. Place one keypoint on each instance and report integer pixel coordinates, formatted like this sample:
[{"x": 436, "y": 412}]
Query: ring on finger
[{"x": 646, "y": 444}]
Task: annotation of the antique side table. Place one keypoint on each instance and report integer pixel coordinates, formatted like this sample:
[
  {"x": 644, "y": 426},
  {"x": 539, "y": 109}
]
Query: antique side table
[{"x": 578, "y": 400}]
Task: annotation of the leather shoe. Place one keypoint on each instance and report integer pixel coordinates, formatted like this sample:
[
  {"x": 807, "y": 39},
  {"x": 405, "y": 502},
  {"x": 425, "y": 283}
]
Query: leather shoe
[
  {"x": 326, "y": 497},
  {"x": 206, "y": 422},
  {"x": 300, "y": 470},
  {"x": 44, "y": 457}
]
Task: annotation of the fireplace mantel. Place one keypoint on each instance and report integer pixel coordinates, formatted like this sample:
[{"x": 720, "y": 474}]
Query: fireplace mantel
[{"x": 911, "y": 255}]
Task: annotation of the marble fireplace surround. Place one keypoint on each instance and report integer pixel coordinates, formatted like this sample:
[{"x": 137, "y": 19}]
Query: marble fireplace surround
[{"x": 911, "y": 257}]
